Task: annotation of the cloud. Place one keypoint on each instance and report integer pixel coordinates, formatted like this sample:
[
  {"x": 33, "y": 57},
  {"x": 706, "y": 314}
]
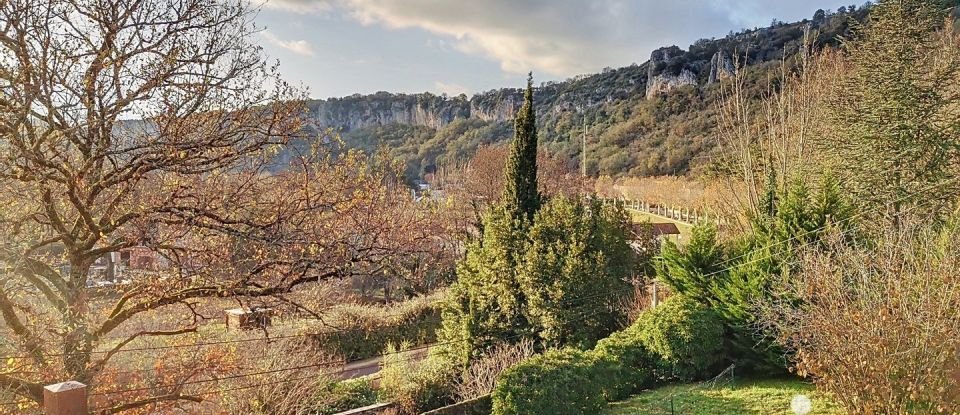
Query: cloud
[
  {"x": 451, "y": 89},
  {"x": 564, "y": 37},
  {"x": 547, "y": 35},
  {"x": 300, "y": 47},
  {"x": 300, "y": 6}
]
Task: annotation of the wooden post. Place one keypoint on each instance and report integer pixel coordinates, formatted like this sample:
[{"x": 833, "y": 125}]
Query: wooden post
[
  {"x": 67, "y": 398},
  {"x": 654, "y": 300}
]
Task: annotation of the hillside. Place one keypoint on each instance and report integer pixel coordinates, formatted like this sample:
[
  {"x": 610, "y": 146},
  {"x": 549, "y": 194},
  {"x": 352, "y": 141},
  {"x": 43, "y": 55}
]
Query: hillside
[{"x": 653, "y": 118}]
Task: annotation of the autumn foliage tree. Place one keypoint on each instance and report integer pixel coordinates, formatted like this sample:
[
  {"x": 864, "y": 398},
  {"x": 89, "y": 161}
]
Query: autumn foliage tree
[
  {"x": 476, "y": 185},
  {"x": 153, "y": 124}
]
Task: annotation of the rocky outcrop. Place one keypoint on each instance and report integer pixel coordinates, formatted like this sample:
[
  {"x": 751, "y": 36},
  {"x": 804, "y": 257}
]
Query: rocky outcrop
[
  {"x": 496, "y": 105},
  {"x": 665, "y": 83},
  {"x": 669, "y": 68},
  {"x": 426, "y": 109},
  {"x": 667, "y": 71},
  {"x": 383, "y": 108},
  {"x": 721, "y": 67}
]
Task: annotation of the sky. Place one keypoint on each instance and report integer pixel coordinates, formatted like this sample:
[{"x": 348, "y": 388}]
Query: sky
[{"x": 340, "y": 47}]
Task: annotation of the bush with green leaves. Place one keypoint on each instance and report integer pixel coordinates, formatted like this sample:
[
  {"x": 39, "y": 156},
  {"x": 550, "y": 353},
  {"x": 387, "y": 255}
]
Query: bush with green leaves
[
  {"x": 679, "y": 339},
  {"x": 732, "y": 277},
  {"x": 687, "y": 337},
  {"x": 357, "y": 332},
  {"x": 571, "y": 381},
  {"x": 344, "y": 396},
  {"x": 559, "y": 382},
  {"x": 633, "y": 366},
  {"x": 561, "y": 282},
  {"x": 575, "y": 270},
  {"x": 485, "y": 305},
  {"x": 417, "y": 386}
]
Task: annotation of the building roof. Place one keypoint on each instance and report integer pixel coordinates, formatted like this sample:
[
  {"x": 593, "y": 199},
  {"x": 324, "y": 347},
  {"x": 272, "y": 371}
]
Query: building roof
[
  {"x": 665, "y": 229},
  {"x": 658, "y": 229}
]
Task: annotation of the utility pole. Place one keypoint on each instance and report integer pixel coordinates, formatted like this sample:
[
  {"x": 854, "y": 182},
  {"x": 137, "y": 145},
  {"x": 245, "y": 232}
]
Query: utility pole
[{"x": 583, "y": 151}]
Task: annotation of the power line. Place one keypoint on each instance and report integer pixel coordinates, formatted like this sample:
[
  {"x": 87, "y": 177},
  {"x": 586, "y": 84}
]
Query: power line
[
  {"x": 224, "y": 342},
  {"x": 453, "y": 342},
  {"x": 827, "y": 225},
  {"x": 200, "y": 344},
  {"x": 265, "y": 372},
  {"x": 819, "y": 229},
  {"x": 583, "y": 315}
]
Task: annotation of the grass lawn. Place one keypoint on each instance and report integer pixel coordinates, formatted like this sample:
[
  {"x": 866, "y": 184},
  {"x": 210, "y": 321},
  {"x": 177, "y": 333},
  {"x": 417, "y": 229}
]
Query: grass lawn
[{"x": 739, "y": 397}]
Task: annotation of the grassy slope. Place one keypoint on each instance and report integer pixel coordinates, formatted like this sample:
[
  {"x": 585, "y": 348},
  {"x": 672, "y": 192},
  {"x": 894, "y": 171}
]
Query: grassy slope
[{"x": 741, "y": 397}]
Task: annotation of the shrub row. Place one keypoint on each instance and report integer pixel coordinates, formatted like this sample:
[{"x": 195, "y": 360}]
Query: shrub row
[
  {"x": 566, "y": 381},
  {"x": 417, "y": 386},
  {"x": 356, "y": 332},
  {"x": 678, "y": 340},
  {"x": 344, "y": 396}
]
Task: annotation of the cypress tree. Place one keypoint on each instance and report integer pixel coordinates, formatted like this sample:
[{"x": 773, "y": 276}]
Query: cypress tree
[
  {"x": 521, "y": 194},
  {"x": 487, "y": 302}
]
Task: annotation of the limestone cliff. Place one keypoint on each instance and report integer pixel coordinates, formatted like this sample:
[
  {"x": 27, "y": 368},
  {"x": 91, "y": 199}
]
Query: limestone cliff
[
  {"x": 703, "y": 64},
  {"x": 668, "y": 70},
  {"x": 382, "y": 108},
  {"x": 721, "y": 67}
]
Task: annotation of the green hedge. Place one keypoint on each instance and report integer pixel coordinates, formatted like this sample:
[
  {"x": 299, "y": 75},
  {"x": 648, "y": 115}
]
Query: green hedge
[
  {"x": 686, "y": 337},
  {"x": 344, "y": 396},
  {"x": 357, "y": 332},
  {"x": 559, "y": 382},
  {"x": 632, "y": 364},
  {"x": 678, "y": 339}
]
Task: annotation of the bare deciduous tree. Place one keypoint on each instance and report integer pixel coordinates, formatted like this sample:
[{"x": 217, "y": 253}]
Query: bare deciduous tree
[
  {"x": 153, "y": 124},
  {"x": 772, "y": 135},
  {"x": 478, "y": 183},
  {"x": 877, "y": 327},
  {"x": 480, "y": 377}
]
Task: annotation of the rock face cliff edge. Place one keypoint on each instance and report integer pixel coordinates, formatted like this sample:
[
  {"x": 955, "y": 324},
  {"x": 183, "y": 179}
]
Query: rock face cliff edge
[{"x": 669, "y": 68}]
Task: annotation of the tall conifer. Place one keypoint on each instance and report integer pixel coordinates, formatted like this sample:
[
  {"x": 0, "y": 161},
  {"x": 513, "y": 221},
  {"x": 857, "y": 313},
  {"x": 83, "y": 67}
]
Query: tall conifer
[{"x": 521, "y": 195}]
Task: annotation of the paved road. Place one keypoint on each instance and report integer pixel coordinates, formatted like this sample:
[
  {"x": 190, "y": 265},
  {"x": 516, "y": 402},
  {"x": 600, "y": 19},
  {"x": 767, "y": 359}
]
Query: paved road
[{"x": 372, "y": 365}]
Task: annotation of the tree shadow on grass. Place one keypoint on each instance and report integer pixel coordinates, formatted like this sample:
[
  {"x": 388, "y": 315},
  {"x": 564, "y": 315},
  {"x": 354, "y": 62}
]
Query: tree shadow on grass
[
  {"x": 692, "y": 403},
  {"x": 744, "y": 397}
]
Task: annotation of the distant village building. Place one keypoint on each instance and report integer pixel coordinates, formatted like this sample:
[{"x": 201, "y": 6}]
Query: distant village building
[
  {"x": 656, "y": 230},
  {"x": 665, "y": 229},
  {"x": 112, "y": 267},
  {"x": 425, "y": 192},
  {"x": 643, "y": 236}
]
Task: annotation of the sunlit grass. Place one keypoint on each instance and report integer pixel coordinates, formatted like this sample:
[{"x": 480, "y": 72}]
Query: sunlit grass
[{"x": 764, "y": 397}]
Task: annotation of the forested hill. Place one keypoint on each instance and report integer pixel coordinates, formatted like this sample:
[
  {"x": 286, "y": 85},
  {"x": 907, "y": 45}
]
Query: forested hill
[{"x": 645, "y": 119}]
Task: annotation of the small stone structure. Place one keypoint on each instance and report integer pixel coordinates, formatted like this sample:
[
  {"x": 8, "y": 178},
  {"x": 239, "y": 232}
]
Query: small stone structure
[
  {"x": 66, "y": 398},
  {"x": 248, "y": 318}
]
